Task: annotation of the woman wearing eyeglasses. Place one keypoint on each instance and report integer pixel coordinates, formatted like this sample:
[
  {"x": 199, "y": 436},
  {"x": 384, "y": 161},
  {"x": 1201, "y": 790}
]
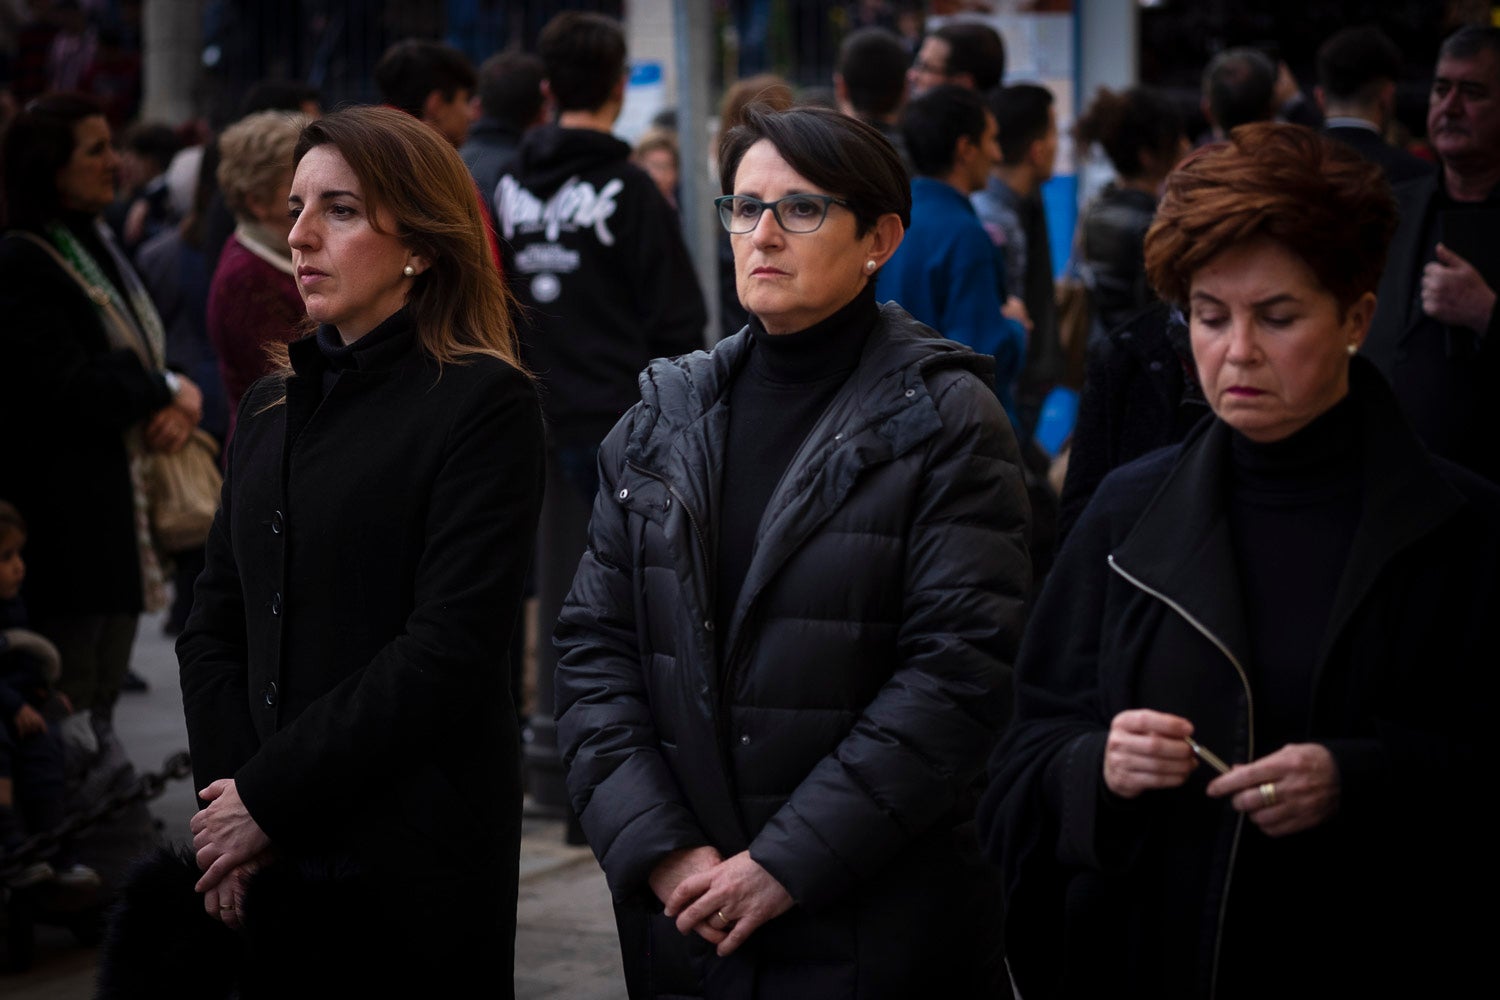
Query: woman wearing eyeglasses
[{"x": 788, "y": 647}]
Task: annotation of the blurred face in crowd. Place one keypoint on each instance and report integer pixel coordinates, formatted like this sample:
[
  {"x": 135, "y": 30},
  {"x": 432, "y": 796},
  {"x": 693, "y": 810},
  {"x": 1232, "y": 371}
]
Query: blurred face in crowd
[
  {"x": 792, "y": 280},
  {"x": 1271, "y": 343},
  {"x": 1463, "y": 109},
  {"x": 86, "y": 183},
  {"x": 12, "y": 567},
  {"x": 930, "y": 68},
  {"x": 450, "y": 117},
  {"x": 269, "y": 208},
  {"x": 1044, "y": 151},
  {"x": 661, "y": 164},
  {"x": 349, "y": 265},
  {"x": 976, "y": 160}
]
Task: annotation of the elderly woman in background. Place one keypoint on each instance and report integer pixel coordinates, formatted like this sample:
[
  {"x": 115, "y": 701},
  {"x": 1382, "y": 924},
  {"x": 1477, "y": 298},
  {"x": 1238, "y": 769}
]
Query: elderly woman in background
[
  {"x": 786, "y": 652},
  {"x": 253, "y": 300},
  {"x": 1299, "y": 597},
  {"x": 344, "y": 671},
  {"x": 84, "y": 398}
]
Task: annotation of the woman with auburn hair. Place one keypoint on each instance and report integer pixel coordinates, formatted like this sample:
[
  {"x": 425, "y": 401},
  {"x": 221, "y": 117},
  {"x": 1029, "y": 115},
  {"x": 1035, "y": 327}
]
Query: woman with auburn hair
[
  {"x": 344, "y": 670},
  {"x": 1248, "y": 705}
]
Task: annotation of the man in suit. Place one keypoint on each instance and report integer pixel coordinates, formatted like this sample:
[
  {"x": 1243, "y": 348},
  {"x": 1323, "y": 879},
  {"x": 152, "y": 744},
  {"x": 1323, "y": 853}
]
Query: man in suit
[
  {"x": 1434, "y": 333},
  {"x": 1357, "y": 71}
]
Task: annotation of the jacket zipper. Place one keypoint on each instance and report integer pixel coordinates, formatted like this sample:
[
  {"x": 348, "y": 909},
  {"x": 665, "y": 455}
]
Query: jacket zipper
[{"x": 1239, "y": 823}]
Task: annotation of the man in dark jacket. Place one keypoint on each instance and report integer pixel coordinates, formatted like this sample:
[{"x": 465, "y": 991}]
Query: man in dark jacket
[
  {"x": 1357, "y": 73},
  {"x": 595, "y": 256},
  {"x": 510, "y": 102},
  {"x": 1434, "y": 331}
]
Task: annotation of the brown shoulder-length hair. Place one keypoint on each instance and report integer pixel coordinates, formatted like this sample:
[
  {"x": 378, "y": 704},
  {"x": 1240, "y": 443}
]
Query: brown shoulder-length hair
[
  {"x": 1315, "y": 196},
  {"x": 412, "y": 179}
]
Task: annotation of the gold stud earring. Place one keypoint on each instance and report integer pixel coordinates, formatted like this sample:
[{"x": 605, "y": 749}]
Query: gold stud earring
[
  {"x": 409, "y": 271},
  {"x": 1353, "y": 349}
]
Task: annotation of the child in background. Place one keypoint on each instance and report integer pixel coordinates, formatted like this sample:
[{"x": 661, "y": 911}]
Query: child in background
[{"x": 31, "y": 753}]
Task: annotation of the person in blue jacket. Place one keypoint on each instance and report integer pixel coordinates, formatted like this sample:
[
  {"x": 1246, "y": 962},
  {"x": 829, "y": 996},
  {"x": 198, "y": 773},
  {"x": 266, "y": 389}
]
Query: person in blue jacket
[{"x": 946, "y": 272}]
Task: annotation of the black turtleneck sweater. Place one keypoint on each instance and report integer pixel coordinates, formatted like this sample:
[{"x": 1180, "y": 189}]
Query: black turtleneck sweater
[
  {"x": 342, "y": 357},
  {"x": 777, "y": 396},
  {"x": 1294, "y": 505}
]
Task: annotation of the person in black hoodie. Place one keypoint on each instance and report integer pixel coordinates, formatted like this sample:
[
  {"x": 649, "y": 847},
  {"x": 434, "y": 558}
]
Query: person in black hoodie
[{"x": 595, "y": 256}]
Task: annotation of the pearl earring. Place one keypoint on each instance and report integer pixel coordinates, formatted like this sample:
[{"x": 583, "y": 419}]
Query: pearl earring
[
  {"x": 409, "y": 271},
  {"x": 1353, "y": 349},
  {"x": 869, "y": 265}
]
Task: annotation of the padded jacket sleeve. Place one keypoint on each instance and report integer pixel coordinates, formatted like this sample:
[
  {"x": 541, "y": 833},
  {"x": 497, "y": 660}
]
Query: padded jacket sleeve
[{"x": 622, "y": 791}]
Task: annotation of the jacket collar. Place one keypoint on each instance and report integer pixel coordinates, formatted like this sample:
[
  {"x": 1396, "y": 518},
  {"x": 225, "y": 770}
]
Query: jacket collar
[
  {"x": 883, "y": 411},
  {"x": 388, "y": 346},
  {"x": 1181, "y": 548},
  {"x": 678, "y": 392}
]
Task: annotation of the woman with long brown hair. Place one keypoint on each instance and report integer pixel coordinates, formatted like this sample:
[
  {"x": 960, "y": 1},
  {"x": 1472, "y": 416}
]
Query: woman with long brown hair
[{"x": 344, "y": 669}]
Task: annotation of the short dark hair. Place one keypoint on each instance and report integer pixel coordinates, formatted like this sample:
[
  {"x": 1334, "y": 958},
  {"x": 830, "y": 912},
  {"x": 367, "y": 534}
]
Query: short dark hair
[
  {"x": 1353, "y": 60},
  {"x": 1127, "y": 122},
  {"x": 975, "y": 49},
  {"x": 1240, "y": 85},
  {"x": 872, "y": 62},
  {"x": 154, "y": 140},
  {"x": 1468, "y": 41},
  {"x": 278, "y": 95},
  {"x": 38, "y": 143},
  {"x": 584, "y": 56},
  {"x": 10, "y": 520},
  {"x": 1313, "y": 195},
  {"x": 933, "y": 123},
  {"x": 839, "y": 154},
  {"x": 510, "y": 88},
  {"x": 1023, "y": 113},
  {"x": 414, "y": 68}
]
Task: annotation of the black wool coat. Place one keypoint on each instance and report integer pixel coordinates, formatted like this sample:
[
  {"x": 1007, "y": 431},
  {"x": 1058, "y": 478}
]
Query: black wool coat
[
  {"x": 836, "y": 725},
  {"x": 345, "y": 661},
  {"x": 66, "y": 400},
  {"x": 1107, "y": 897}
]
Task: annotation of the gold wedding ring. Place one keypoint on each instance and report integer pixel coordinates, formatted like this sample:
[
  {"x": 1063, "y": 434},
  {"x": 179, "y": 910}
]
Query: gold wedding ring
[{"x": 1268, "y": 793}]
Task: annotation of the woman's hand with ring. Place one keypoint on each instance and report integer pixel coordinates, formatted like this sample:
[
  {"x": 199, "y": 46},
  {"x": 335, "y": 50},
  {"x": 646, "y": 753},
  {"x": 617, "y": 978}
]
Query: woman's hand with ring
[
  {"x": 1147, "y": 750},
  {"x": 732, "y": 899},
  {"x": 1294, "y": 789},
  {"x": 225, "y": 835}
]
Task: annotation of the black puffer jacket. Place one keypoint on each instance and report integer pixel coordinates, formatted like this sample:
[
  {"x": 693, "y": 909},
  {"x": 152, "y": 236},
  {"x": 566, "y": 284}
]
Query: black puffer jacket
[
  {"x": 1111, "y": 247},
  {"x": 865, "y": 671}
]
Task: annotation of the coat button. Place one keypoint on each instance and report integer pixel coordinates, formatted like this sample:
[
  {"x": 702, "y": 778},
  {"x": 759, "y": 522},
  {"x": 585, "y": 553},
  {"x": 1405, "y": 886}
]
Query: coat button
[
  {"x": 744, "y": 739},
  {"x": 910, "y": 393},
  {"x": 708, "y": 624},
  {"x": 624, "y": 493},
  {"x": 276, "y": 522},
  {"x": 276, "y": 603},
  {"x": 270, "y": 694}
]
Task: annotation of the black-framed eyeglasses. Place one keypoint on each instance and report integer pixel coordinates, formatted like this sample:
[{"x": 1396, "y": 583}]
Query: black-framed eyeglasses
[{"x": 796, "y": 213}]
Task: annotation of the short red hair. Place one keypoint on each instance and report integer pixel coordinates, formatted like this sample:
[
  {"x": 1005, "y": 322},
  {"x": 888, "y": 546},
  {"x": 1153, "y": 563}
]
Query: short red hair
[{"x": 1315, "y": 196}]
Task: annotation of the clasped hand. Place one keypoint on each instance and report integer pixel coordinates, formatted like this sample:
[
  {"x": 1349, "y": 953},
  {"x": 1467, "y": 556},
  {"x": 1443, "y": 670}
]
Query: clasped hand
[
  {"x": 1453, "y": 292},
  {"x": 170, "y": 427},
  {"x": 1288, "y": 791},
  {"x": 229, "y": 846},
  {"x": 722, "y": 901}
]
